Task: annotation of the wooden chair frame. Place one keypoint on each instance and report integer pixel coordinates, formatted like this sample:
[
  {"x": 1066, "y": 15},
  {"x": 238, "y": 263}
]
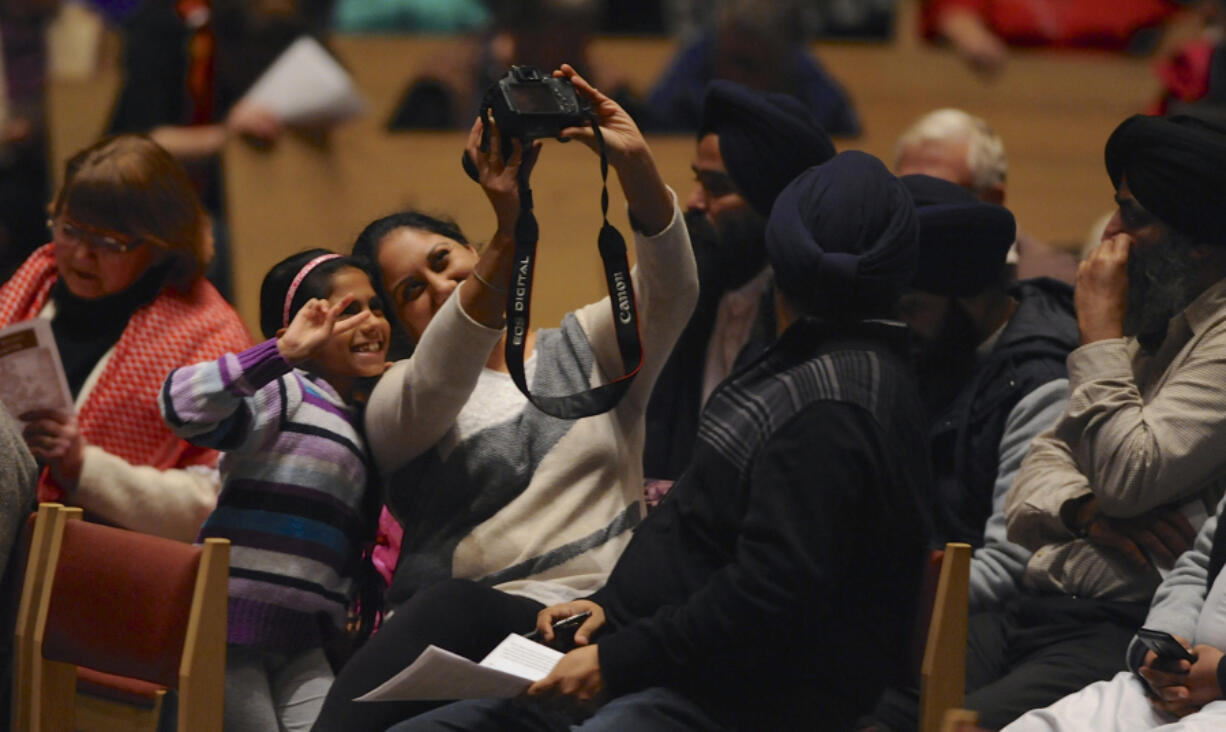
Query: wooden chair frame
[
  {"x": 943, "y": 669},
  {"x": 44, "y": 690}
]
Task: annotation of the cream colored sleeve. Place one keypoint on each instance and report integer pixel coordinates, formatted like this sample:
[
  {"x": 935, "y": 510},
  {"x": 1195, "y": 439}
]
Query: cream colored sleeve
[
  {"x": 418, "y": 399},
  {"x": 1138, "y": 454},
  {"x": 169, "y": 503}
]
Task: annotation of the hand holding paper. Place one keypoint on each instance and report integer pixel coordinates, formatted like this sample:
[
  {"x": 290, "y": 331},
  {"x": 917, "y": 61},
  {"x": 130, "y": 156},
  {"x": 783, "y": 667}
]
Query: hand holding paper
[
  {"x": 305, "y": 86},
  {"x": 438, "y": 675},
  {"x": 34, "y": 389},
  {"x": 31, "y": 375}
]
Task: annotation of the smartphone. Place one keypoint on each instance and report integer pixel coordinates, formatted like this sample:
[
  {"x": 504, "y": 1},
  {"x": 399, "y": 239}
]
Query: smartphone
[
  {"x": 563, "y": 632},
  {"x": 1165, "y": 645}
]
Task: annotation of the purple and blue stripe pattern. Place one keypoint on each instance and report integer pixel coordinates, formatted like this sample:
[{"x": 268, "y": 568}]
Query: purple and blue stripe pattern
[{"x": 294, "y": 475}]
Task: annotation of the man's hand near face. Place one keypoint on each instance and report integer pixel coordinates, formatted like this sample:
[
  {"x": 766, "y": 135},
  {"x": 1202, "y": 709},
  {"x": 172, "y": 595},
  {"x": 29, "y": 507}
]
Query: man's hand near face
[{"x": 1101, "y": 295}]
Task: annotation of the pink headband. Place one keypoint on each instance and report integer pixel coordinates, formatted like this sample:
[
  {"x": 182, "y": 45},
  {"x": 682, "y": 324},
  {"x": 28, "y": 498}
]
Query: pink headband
[{"x": 298, "y": 278}]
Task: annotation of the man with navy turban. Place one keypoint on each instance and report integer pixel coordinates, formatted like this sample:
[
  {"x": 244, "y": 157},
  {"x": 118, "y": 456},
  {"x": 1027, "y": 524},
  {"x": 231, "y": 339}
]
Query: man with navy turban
[
  {"x": 1113, "y": 493},
  {"x": 774, "y": 587},
  {"x": 990, "y": 366},
  {"x": 750, "y": 145}
]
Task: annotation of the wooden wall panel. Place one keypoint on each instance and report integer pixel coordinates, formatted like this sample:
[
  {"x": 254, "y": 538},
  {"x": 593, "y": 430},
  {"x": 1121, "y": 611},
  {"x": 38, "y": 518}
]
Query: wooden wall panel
[{"x": 1054, "y": 111}]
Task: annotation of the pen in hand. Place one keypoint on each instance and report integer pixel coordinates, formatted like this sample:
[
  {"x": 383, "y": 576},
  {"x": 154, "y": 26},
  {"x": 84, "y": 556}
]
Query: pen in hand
[{"x": 567, "y": 622}]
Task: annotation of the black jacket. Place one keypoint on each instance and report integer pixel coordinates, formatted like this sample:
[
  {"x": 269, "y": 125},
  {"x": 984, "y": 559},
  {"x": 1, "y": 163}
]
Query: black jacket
[
  {"x": 776, "y": 583},
  {"x": 965, "y": 439}
]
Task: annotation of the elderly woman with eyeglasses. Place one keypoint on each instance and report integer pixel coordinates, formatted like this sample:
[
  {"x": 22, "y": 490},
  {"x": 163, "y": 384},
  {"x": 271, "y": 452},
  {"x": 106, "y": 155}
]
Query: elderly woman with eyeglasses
[{"x": 121, "y": 284}]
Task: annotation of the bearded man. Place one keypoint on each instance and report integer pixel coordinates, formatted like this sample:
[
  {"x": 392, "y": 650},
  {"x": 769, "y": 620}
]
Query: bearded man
[
  {"x": 990, "y": 360},
  {"x": 1113, "y": 492},
  {"x": 750, "y": 145}
]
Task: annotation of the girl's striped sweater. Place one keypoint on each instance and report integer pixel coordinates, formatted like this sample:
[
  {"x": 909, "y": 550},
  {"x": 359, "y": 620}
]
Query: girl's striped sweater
[{"x": 294, "y": 475}]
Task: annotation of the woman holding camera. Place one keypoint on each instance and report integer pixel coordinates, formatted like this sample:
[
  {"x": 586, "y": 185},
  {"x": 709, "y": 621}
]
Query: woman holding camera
[{"x": 503, "y": 506}]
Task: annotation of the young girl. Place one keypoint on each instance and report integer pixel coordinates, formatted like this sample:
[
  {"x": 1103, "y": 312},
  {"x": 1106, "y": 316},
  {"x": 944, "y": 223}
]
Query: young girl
[{"x": 295, "y": 502}]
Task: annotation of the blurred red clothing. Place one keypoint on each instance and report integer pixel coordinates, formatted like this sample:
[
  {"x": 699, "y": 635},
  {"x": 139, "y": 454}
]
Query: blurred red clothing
[{"x": 1106, "y": 24}]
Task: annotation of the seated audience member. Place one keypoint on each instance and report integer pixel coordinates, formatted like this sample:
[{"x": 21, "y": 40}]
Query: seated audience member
[
  {"x": 1110, "y": 494},
  {"x": 18, "y": 478},
  {"x": 981, "y": 347},
  {"x": 760, "y": 45},
  {"x": 526, "y": 508},
  {"x": 750, "y": 146},
  {"x": 187, "y": 65},
  {"x": 981, "y": 31},
  {"x": 764, "y": 591},
  {"x": 447, "y": 92},
  {"x": 1192, "y": 76},
  {"x": 121, "y": 283},
  {"x": 955, "y": 146},
  {"x": 1162, "y": 693}
]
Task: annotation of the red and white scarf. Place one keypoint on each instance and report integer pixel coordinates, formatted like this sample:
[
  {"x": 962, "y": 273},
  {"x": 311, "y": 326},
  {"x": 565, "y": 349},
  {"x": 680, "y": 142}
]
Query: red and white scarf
[{"x": 120, "y": 413}]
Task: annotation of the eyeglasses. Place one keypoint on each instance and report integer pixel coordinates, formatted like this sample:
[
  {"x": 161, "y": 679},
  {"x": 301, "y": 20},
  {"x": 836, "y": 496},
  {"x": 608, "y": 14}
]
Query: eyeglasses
[{"x": 64, "y": 233}]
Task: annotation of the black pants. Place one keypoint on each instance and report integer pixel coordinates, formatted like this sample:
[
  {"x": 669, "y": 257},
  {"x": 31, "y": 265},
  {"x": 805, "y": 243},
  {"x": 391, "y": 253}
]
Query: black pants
[
  {"x": 1026, "y": 656},
  {"x": 457, "y": 615}
]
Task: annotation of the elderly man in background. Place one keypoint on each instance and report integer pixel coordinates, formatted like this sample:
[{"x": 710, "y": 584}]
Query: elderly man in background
[
  {"x": 750, "y": 146},
  {"x": 960, "y": 148}
]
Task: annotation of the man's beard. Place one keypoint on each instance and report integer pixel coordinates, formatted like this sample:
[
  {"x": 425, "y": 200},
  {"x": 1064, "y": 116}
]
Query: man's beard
[
  {"x": 730, "y": 251},
  {"x": 1161, "y": 283},
  {"x": 944, "y": 364}
]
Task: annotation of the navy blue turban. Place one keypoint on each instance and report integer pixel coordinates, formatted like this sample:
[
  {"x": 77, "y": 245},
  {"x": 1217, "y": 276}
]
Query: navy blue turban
[
  {"x": 842, "y": 237},
  {"x": 963, "y": 241},
  {"x": 766, "y": 140},
  {"x": 1175, "y": 168}
]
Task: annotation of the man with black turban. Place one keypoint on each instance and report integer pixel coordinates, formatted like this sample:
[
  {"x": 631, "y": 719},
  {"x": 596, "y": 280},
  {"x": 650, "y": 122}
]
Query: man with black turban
[
  {"x": 1113, "y": 492},
  {"x": 750, "y": 145},
  {"x": 990, "y": 365},
  {"x": 774, "y": 587}
]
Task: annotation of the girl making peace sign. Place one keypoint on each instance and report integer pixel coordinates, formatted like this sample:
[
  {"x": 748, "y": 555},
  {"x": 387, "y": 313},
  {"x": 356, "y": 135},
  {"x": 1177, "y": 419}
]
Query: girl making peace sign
[{"x": 297, "y": 502}]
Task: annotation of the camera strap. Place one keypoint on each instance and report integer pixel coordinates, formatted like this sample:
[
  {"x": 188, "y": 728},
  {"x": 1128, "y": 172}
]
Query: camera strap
[{"x": 612, "y": 247}]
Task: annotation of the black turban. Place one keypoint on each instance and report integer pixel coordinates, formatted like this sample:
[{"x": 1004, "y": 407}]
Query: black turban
[
  {"x": 766, "y": 140},
  {"x": 1175, "y": 168},
  {"x": 842, "y": 237},
  {"x": 963, "y": 241}
]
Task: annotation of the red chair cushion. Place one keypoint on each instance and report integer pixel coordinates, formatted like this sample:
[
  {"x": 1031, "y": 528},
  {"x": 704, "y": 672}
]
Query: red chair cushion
[
  {"x": 120, "y": 689},
  {"x": 120, "y": 602}
]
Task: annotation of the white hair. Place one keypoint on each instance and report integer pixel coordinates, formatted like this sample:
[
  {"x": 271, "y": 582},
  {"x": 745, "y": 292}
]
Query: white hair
[{"x": 985, "y": 155}]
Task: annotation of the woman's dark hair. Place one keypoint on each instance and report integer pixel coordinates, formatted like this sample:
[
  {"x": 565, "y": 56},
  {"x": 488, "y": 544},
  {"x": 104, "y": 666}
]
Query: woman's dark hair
[
  {"x": 366, "y": 248},
  {"x": 316, "y": 284}
]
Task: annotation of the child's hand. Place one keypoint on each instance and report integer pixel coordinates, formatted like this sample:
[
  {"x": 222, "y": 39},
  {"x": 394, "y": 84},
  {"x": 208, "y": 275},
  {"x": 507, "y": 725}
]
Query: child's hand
[{"x": 313, "y": 325}]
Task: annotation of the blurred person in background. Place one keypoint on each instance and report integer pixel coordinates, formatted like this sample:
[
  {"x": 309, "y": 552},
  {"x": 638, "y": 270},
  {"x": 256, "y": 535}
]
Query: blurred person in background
[
  {"x": 447, "y": 94},
  {"x": 981, "y": 31},
  {"x": 23, "y": 146},
  {"x": 858, "y": 19},
  {"x": 961, "y": 148},
  {"x": 761, "y": 45},
  {"x": 187, "y": 65}
]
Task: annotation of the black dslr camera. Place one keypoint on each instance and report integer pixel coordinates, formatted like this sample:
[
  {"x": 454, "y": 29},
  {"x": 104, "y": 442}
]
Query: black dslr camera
[{"x": 528, "y": 105}]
